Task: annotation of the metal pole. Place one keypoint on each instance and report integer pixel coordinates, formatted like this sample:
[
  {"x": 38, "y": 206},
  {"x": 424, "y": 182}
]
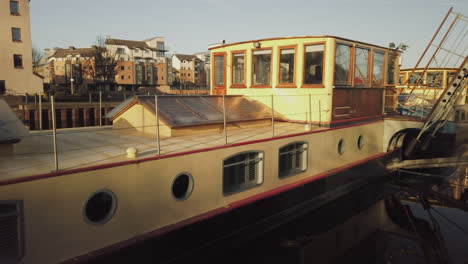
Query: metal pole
[
  {"x": 72, "y": 90},
  {"x": 156, "y": 109},
  {"x": 272, "y": 116},
  {"x": 320, "y": 113},
  {"x": 54, "y": 132},
  {"x": 224, "y": 121},
  {"x": 100, "y": 108},
  {"x": 40, "y": 112},
  {"x": 90, "y": 98},
  {"x": 310, "y": 109},
  {"x": 35, "y": 100}
]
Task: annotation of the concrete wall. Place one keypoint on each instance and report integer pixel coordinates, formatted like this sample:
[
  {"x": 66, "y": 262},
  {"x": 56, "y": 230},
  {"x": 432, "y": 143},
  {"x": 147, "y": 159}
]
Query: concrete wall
[{"x": 17, "y": 80}]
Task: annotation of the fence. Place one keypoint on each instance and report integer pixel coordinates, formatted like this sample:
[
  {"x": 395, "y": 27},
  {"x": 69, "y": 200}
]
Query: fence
[{"x": 210, "y": 121}]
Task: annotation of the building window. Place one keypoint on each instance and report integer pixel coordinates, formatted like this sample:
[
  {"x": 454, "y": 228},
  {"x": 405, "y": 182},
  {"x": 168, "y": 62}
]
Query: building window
[
  {"x": 16, "y": 34},
  {"x": 261, "y": 62},
  {"x": 18, "y": 61},
  {"x": 292, "y": 159},
  {"x": 286, "y": 66},
  {"x": 377, "y": 69},
  {"x": 122, "y": 68},
  {"x": 129, "y": 77},
  {"x": 219, "y": 74},
  {"x": 238, "y": 69},
  {"x": 100, "y": 207},
  {"x": 14, "y": 8},
  {"x": 2, "y": 87},
  {"x": 361, "y": 67},
  {"x": 313, "y": 64},
  {"x": 242, "y": 171},
  {"x": 188, "y": 74},
  {"x": 342, "y": 62},
  {"x": 122, "y": 77}
]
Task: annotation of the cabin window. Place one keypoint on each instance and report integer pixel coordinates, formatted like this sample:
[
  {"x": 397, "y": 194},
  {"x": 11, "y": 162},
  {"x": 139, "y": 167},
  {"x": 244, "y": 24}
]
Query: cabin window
[
  {"x": 378, "y": 69},
  {"x": 361, "y": 67},
  {"x": 292, "y": 159},
  {"x": 391, "y": 69},
  {"x": 100, "y": 207},
  {"x": 242, "y": 171},
  {"x": 341, "y": 146},
  {"x": 238, "y": 68},
  {"x": 261, "y": 62},
  {"x": 415, "y": 78},
  {"x": 11, "y": 231},
  {"x": 313, "y": 64},
  {"x": 182, "y": 186},
  {"x": 360, "y": 142},
  {"x": 286, "y": 65},
  {"x": 219, "y": 70},
  {"x": 435, "y": 79},
  {"x": 342, "y": 62}
]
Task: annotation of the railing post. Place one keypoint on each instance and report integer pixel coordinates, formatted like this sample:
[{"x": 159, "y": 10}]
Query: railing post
[
  {"x": 156, "y": 109},
  {"x": 310, "y": 108},
  {"x": 100, "y": 108},
  {"x": 319, "y": 113},
  {"x": 54, "y": 132},
  {"x": 224, "y": 121},
  {"x": 272, "y": 116},
  {"x": 40, "y": 112}
]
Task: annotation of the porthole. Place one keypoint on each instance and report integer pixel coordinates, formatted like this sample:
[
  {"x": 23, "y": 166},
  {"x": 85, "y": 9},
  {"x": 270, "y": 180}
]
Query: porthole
[
  {"x": 360, "y": 142},
  {"x": 182, "y": 186},
  {"x": 341, "y": 147},
  {"x": 100, "y": 207}
]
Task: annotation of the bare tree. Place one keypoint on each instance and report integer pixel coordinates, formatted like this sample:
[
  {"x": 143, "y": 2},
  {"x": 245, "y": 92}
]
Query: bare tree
[
  {"x": 105, "y": 63},
  {"x": 37, "y": 56}
]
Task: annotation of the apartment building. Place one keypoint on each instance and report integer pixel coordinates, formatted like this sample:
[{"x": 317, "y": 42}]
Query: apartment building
[
  {"x": 188, "y": 67},
  {"x": 140, "y": 63},
  {"x": 16, "y": 71}
]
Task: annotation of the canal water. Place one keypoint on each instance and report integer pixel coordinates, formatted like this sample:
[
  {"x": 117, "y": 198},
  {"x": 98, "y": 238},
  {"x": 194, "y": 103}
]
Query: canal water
[{"x": 369, "y": 225}]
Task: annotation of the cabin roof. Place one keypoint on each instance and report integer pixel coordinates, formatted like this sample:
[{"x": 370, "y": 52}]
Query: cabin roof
[
  {"x": 297, "y": 37},
  {"x": 181, "y": 111},
  {"x": 11, "y": 128}
]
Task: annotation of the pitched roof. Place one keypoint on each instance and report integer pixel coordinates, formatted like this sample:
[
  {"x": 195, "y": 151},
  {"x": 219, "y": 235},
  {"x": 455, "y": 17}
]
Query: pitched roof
[
  {"x": 180, "y": 111},
  {"x": 131, "y": 44},
  {"x": 84, "y": 52},
  {"x": 185, "y": 57}
]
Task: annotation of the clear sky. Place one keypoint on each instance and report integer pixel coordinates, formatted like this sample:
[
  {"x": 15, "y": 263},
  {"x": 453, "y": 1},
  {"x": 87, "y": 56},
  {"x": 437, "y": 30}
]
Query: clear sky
[{"x": 189, "y": 26}]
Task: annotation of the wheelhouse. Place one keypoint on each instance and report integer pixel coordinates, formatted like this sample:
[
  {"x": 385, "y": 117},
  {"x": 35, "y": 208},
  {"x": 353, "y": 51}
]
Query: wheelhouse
[{"x": 340, "y": 79}]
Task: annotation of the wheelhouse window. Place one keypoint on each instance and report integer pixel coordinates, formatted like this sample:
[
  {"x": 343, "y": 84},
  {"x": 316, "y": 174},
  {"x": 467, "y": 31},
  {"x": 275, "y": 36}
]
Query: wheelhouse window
[
  {"x": 18, "y": 61},
  {"x": 242, "y": 171},
  {"x": 361, "y": 67},
  {"x": 219, "y": 76},
  {"x": 391, "y": 69},
  {"x": 377, "y": 69},
  {"x": 313, "y": 64},
  {"x": 16, "y": 34},
  {"x": 292, "y": 159},
  {"x": 261, "y": 62},
  {"x": 435, "y": 79},
  {"x": 14, "y": 8},
  {"x": 238, "y": 69},
  {"x": 342, "y": 62},
  {"x": 415, "y": 78},
  {"x": 286, "y": 66}
]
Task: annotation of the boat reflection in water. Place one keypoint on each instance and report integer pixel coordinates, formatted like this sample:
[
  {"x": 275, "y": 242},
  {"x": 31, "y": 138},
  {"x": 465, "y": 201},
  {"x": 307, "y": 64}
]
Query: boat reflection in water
[{"x": 370, "y": 225}]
